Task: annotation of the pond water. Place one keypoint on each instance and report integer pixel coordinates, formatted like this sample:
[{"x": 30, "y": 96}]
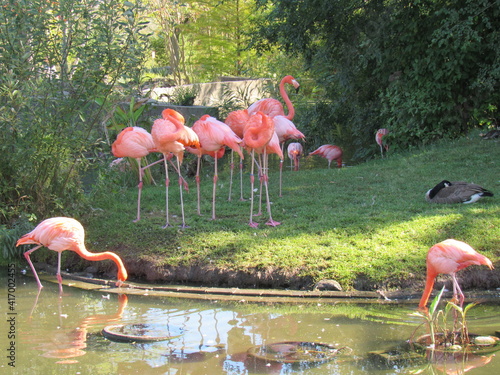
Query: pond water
[{"x": 64, "y": 334}]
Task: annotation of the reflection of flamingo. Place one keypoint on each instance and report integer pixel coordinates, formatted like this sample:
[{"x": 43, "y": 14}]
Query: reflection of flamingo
[
  {"x": 258, "y": 133},
  {"x": 450, "y": 256},
  {"x": 379, "y": 137},
  {"x": 273, "y": 107},
  {"x": 67, "y": 345},
  {"x": 134, "y": 142},
  {"x": 170, "y": 135},
  {"x": 214, "y": 136},
  {"x": 330, "y": 152},
  {"x": 237, "y": 120},
  {"x": 295, "y": 151},
  {"x": 64, "y": 233}
]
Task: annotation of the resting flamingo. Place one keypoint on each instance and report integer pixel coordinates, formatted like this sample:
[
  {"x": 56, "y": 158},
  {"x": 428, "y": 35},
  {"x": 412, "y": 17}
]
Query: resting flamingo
[
  {"x": 171, "y": 135},
  {"x": 257, "y": 135},
  {"x": 295, "y": 151},
  {"x": 379, "y": 137},
  {"x": 237, "y": 120},
  {"x": 450, "y": 256},
  {"x": 214, "y": 135},
  {"x": 329, "y": 152},
  {"x": 64, "y": 233},
  {"x": 134, "y": 142}
]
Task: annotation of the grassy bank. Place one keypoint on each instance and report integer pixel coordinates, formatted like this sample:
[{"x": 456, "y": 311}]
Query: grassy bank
[{"x": 366, "y": 226}]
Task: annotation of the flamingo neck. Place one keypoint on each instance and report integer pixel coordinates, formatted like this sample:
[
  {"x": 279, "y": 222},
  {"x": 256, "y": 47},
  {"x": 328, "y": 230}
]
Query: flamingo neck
[
  {"x": 288, "y": 102},
  {"x": 85, "y": 254},
  {"x": 429, "y": 284}
]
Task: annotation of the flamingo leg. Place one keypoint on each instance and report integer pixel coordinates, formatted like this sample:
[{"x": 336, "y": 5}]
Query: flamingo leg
[
  {"x": 167, "y": 183},
  {"x": 180, "y": 190},
  {"x": 231, "y": 166},
  {"x": 252, "y": 223},
  {"x": 261, "y": 176},
  {"x": 58, "y": 274},
  {"x": 214, "y": 189},
  {"x": 198, "y": 183},
  {"x": 241, "y": 180},
  {"x": 281, "y": 165},
  {"x": 139, "y": 187},
  {"x": 27, "y": 256},
  {"x": 457, "y": 291},
  {"x": 153, "y": 163},
  {"x": 270, "y": 222}
]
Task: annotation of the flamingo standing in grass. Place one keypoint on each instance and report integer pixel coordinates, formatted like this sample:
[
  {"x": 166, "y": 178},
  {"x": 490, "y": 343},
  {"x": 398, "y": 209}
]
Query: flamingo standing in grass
[
  {"x": 171, "y": 135},
  {"x": 284, "y": 126},
  {"x": 64, "y": 233},
  {"x": 134, "y": 142},
  {"x": 257, "y": 135},
  {"x": 273, "y": 107},
  {"x": 329, "y": 152},
  {"x": 285, "y": 129},
  {"x": 295, "y": 151},
  {"x": 379, "y": 138},
  {"x": 237, "y": 120},
  {"x": 214, "y": 135},
  {"x": 450, "y": 256}
]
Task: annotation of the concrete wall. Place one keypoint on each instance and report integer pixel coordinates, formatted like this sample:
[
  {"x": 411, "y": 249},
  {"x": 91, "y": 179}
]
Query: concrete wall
[
  {"x": 190, "y": 113},
  {"x": 212, "y": 94}
]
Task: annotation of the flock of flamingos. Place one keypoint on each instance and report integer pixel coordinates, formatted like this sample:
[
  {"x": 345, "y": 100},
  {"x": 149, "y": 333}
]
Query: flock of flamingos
[{"x": 261, "y": 129}]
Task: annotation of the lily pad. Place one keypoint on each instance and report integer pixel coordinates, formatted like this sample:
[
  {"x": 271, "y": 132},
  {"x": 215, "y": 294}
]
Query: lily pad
[
  {"x": 141, "y": 332},
  {"x": 294, "y": 352}
]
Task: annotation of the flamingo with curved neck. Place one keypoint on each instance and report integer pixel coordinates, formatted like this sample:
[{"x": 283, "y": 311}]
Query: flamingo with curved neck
[
  {"x": 273, "y": 107},
  {"x": 64, "y": 233},
  {"x": 449, "y": 257}
]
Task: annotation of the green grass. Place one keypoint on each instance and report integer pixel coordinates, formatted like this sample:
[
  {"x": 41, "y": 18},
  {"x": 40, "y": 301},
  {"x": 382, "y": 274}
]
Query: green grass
[{"x": 365, "y": 222}]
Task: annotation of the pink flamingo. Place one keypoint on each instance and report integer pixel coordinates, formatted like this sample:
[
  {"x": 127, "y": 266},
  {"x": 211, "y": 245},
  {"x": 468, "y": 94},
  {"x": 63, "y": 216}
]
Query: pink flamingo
[
  {"x": 257, "y": 135},
  {"x": 134, "y": 142},
  {"x": 214, "y": 135},
  {"x": 295, "y": 151},
  {"x": 237, "y": 120},
  {"x": 450, "y": 256},
  {"x": 379, "y": 138},
  {"x": 286, "y": 130},
  {"x": 64, "y": 233},
  {"x": 273, "y": 107},
  {"x": 330, "y": 152},
  {"x": 171, "y": 135}
]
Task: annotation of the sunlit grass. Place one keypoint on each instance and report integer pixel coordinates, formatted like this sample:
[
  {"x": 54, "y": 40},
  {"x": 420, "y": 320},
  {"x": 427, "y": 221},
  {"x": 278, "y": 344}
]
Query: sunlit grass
[{"x": 369, "y": 220}]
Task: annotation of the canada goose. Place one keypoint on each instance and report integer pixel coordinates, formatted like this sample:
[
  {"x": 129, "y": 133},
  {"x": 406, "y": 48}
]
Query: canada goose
[{"x": 456, "y": 192}]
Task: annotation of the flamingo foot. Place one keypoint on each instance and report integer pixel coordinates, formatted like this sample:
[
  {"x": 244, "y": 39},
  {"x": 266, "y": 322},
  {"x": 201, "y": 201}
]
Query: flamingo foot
[
  {"x": 167, "y": 225},
  {"x": 253, "y": 224},
  {"x": 184, "y": 226},
  {"x": 136, "y": 220},
  {"x": 273, "y": 223},
  {"x": 243, "y": 199},
  {"x": 258, "y": 214}
]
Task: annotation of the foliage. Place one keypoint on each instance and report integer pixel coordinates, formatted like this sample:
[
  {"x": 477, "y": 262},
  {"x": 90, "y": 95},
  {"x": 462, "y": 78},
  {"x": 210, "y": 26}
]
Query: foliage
[
  {"x": 185, "y": 95},
  {"x": 438, "y": 323},
  {"x": 57, "y": 57},
  {"x": 425, "y": 69},
  {"x": 9, "y": 237}
]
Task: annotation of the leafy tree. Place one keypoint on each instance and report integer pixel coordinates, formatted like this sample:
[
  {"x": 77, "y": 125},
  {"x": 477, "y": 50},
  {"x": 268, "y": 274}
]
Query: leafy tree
[
  {"x": 56, "y": 58},
  {"x": 426, "y": 69}
]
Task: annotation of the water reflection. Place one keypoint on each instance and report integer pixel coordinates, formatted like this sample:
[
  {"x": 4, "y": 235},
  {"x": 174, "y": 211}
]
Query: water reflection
[{"x": 63, "y": 335}]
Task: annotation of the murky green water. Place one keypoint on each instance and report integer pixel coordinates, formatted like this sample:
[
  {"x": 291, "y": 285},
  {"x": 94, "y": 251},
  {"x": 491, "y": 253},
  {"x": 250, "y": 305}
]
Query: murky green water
[{"x": 64, "y": 335}]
